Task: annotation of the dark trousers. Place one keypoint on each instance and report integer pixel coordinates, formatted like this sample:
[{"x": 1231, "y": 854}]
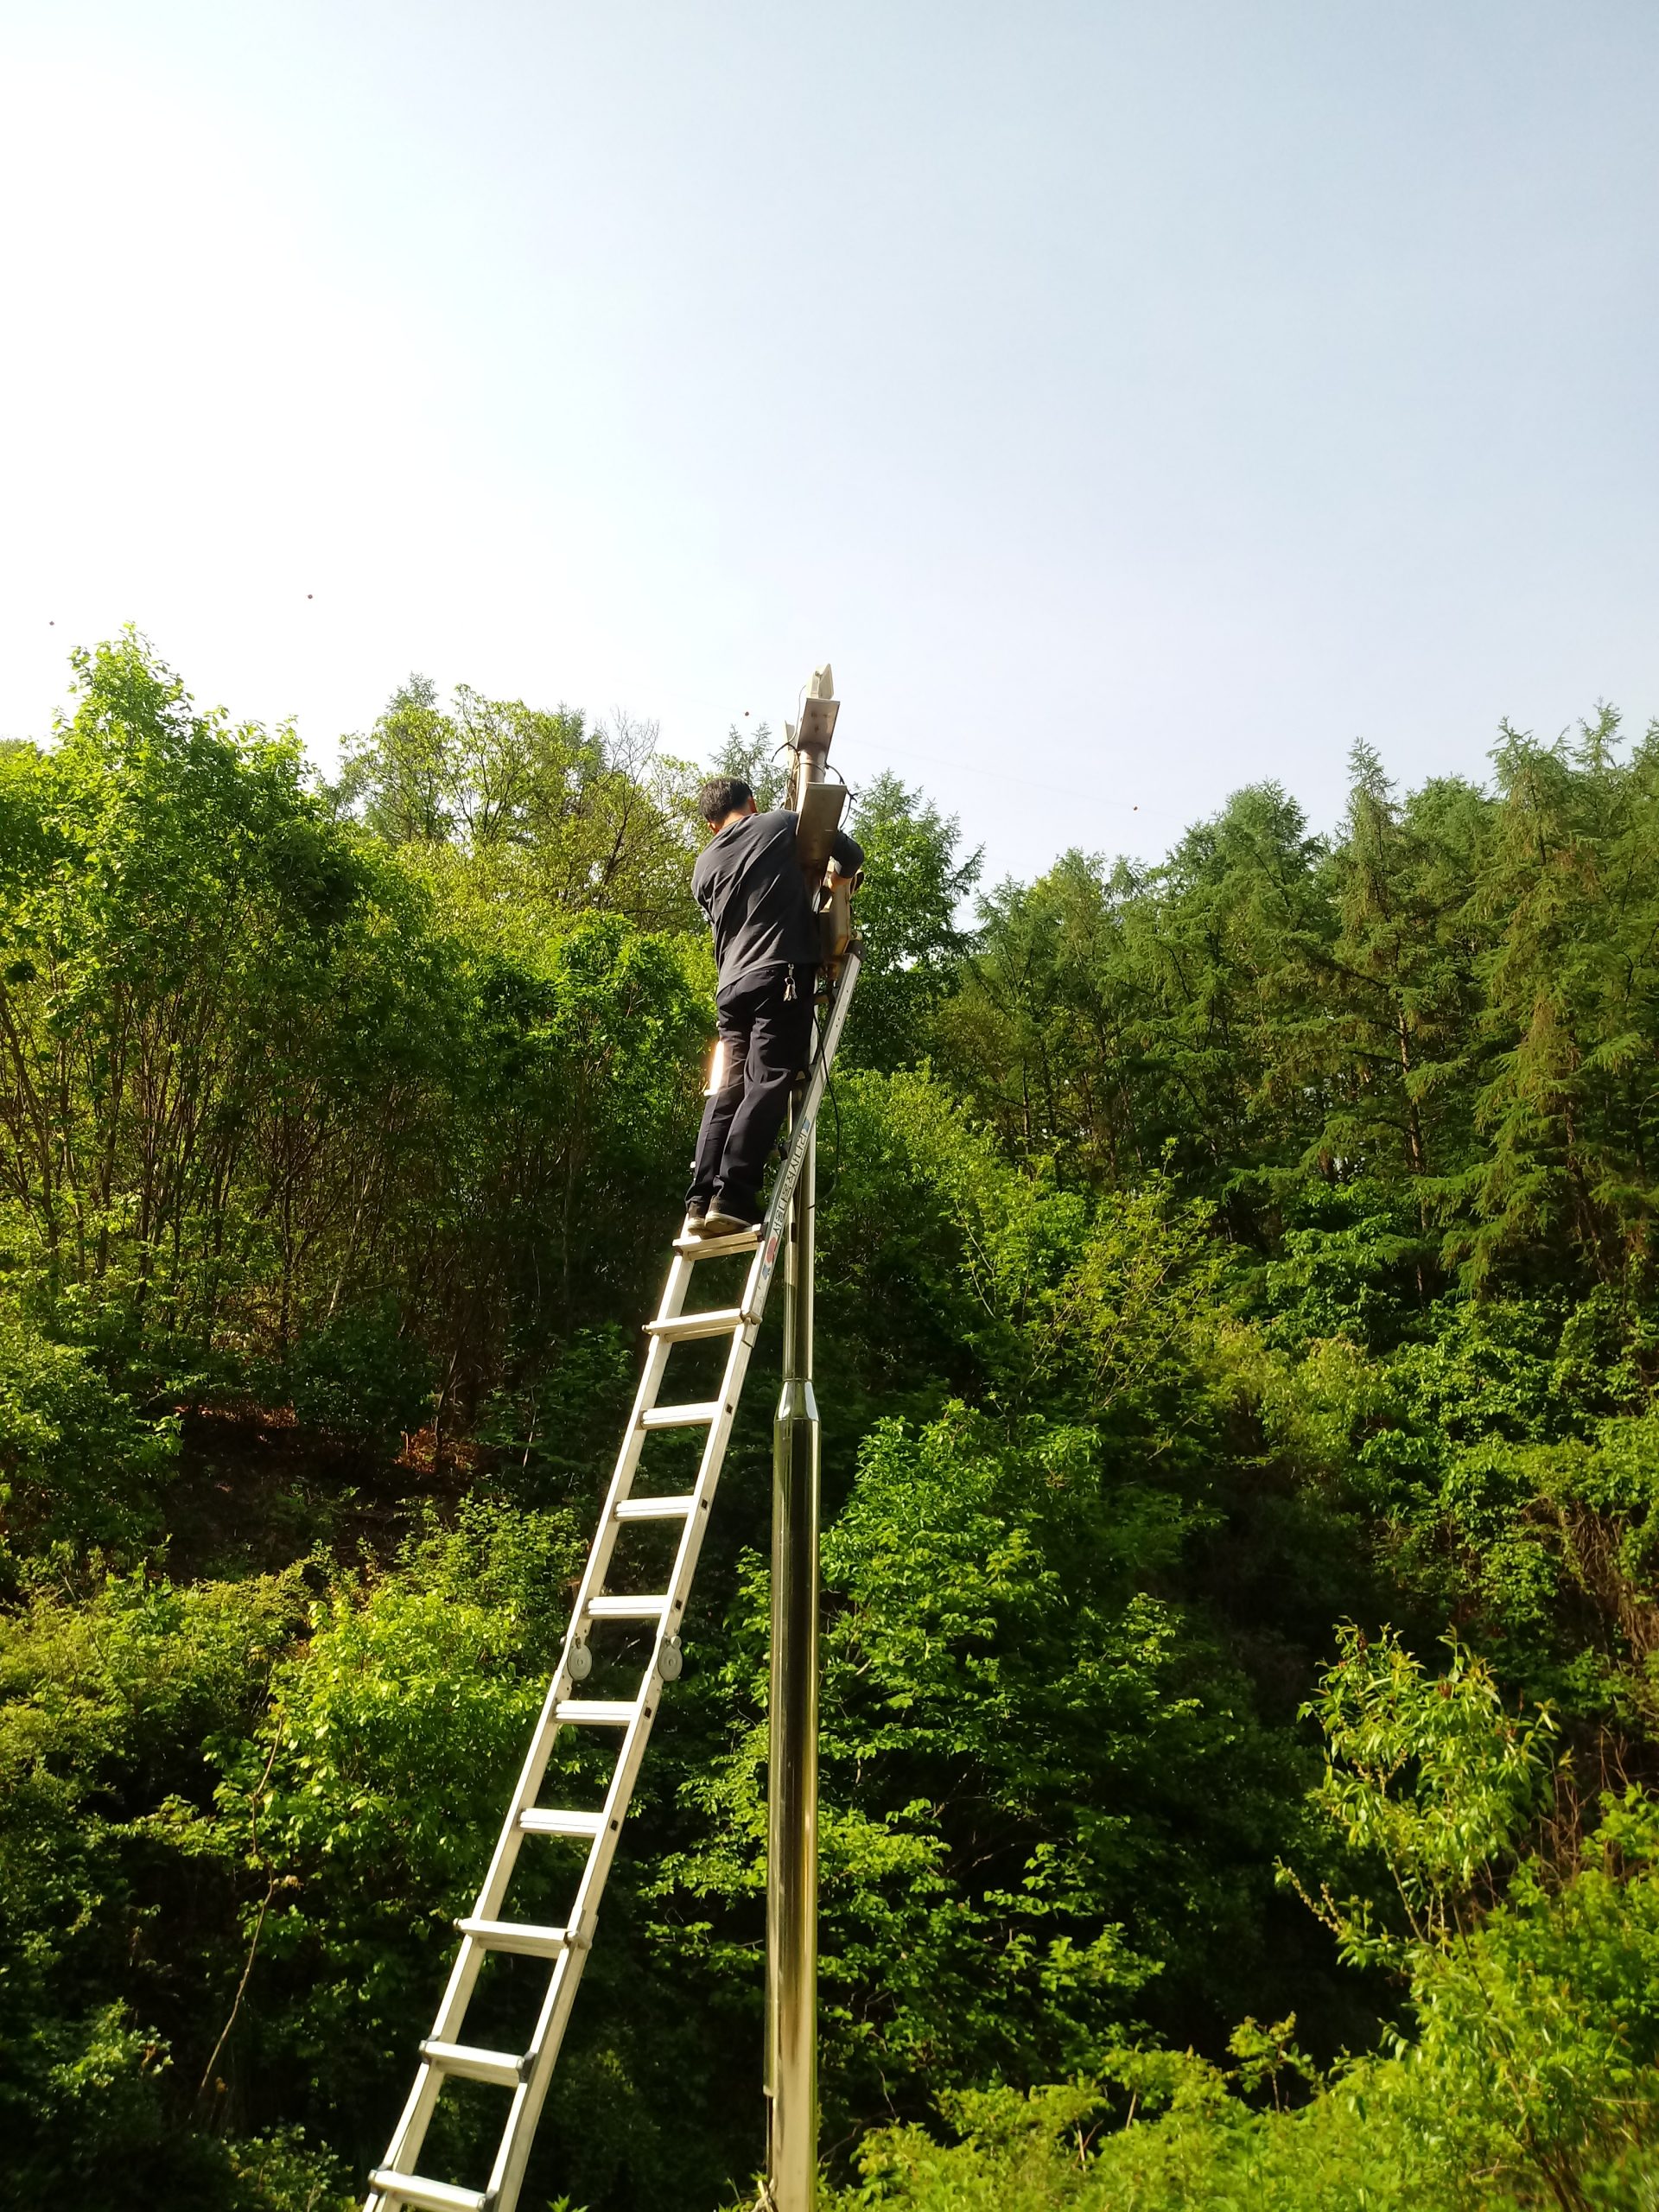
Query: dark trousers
[{"x": 768, "y": 1037}]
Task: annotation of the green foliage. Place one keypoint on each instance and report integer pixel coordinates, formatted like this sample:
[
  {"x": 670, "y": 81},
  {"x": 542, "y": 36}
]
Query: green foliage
[
  {"x": 551, "y": 1432},
  {"x": 1429, "y": 1774},
  {"x": 282, "y": 2172},
  {"x": 1025, "y": 1832},
  {"x": 363, "y": 1804},
  {"x": 916, "y": 880},
  {"x": 1448, "y": 1011},
  {"x": 114, "y": 1940},
  {"x": 77, "y": 1466},
  {"x": 756, "y": 760},
  {"x": 542, "y": 809},
  {"x": 992, "y": 1684},
  {"x": 275, "y": 1099},
  {"x": 197, "y": 973},
  {"x": 358, "y": 1376},
  {"x": 1212, "y": 1255},
  {"x": 234, "y": 1846},
  {"x": 1531, "y": 2078}
]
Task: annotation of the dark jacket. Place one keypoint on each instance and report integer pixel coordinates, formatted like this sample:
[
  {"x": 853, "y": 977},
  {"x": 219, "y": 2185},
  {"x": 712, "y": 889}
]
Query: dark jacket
[{"x": 749, "y": 883}]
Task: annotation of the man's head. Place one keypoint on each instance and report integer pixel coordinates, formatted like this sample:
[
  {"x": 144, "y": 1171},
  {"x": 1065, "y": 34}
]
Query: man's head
[{"x": 723, "y": 799}]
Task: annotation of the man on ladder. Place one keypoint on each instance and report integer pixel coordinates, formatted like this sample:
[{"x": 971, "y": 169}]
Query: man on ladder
[
  {"x": 774, "y": 928},
  {"x": 750, "y": 883}
]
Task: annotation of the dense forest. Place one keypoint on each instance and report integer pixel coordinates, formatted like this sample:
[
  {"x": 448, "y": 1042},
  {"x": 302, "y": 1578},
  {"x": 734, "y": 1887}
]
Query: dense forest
[{"x": 1240, "y": 1340}]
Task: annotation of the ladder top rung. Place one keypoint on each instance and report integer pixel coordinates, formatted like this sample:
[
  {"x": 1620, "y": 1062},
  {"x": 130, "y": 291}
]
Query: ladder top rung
[
  {"x": 698, "y": 1416},
  {"x": 712, "y": 1321},
  {"x": 596, "y": 1712},
  {"x": 715, "y": 1247},
  {"x": 546, "y": 1820},
  {"x": 475, "y": 2065},
  {"x": 520, "y": 1936},
  {"x": 655, "y": 1509},
  {"x": 428, "y": 2196},
  {"x": 626, "y": 1609}
]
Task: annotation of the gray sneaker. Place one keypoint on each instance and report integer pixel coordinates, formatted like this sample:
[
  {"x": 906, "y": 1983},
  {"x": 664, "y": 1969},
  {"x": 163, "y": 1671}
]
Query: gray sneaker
[
  {"x": 692, "y": 1225},
  {"x": 716, "y": 1223}
]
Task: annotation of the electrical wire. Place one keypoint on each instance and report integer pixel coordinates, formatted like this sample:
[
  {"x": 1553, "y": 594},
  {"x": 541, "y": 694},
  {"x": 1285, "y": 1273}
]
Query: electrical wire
[{"x": 834, "y": 1172}]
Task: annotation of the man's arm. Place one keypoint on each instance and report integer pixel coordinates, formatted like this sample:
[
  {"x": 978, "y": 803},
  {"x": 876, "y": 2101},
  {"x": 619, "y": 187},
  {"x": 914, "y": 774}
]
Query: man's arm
[{"x": 846, "y": 852}]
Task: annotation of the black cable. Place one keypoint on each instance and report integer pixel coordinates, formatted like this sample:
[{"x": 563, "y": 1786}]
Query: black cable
[{"x": 834, "y": 1176}]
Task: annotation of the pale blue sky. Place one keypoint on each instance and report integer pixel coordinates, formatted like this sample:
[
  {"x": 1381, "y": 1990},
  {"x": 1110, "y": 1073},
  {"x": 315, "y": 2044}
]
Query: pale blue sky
[{"x": 1136, "y": 399}]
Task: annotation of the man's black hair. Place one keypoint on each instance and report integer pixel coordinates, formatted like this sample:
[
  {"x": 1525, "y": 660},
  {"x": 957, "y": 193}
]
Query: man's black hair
[{"x": 723, "y": 795}]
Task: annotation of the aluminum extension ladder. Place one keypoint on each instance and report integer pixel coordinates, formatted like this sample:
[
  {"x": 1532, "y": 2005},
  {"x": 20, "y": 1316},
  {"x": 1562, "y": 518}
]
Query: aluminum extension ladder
[{"x": 526, "y": 2075}]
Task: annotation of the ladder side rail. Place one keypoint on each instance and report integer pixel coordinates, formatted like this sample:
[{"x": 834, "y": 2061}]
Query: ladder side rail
[
  {"x": 678, "y": 1591},
  {"x": 775, "y": 1229},
  {"x": 494, "y": 1888},
  {"x": 567, "y": 1972},
  {"x": 518, "y": 2135},
  {"x": 409, "y": 2134},
  {"x": 621, "y": 1485}
]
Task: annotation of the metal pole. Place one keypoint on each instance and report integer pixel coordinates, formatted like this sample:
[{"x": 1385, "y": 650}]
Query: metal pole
[
  {"x": 792, "y": 2182},
  {"x": 792, "y": 1763}
]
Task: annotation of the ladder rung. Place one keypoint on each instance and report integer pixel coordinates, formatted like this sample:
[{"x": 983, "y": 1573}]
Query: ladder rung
[
  {"x": 714, "y": 1247},
  {"x": 681, "y": 1416},
  {"x": 473, "y": 2065},
  {"x": 714, "y": 1321},
  {"x": 595, "y": 1712},
  {"x": 428, "y": 2196},
  {"x": 521, "y": 1936},
  {"x": 626, "y": 1609},
  {"x": 541, "y": 1820},
  {"x": 655, "y": 1509}
]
